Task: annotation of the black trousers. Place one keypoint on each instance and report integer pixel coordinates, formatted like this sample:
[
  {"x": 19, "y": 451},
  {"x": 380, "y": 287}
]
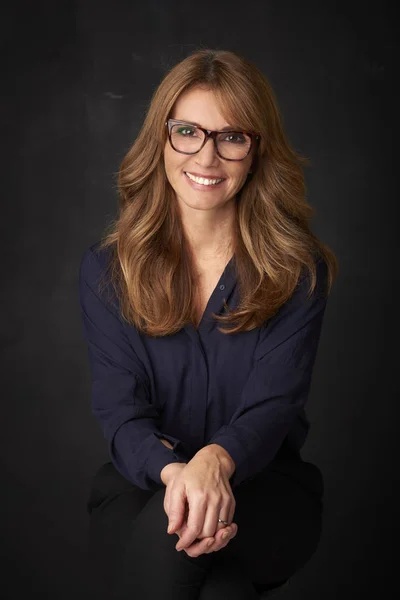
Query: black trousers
[{"x": 132, "y": 557}]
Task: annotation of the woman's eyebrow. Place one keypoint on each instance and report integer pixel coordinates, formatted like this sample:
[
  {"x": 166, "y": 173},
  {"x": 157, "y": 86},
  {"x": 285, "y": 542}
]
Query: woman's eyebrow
[{"x": 226, "y": 128}]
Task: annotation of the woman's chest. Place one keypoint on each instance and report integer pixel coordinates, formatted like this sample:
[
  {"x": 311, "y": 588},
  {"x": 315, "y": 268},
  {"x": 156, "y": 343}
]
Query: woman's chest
[{"x": 205, "y": 286}]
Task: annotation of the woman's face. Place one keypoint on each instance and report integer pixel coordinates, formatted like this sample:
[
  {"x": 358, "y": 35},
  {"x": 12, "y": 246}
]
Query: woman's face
[{"x": 199, "y": 106}]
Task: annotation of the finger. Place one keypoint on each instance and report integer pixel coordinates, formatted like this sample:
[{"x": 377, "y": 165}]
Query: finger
[
  {"x": 221, "y": 542},
  {"x": 180, "y": 528},
  {"x": 232, "y": 528},
  {"x": 232, "y": 509},
  {"x": 195, "y": 520},
  {"x": 166, "y": 500},
  {"x": 223, "y": 510},
  {"x": 211, "y": 544},
  {"x": 176, "y": 515},
  {"x": 211, "y": 524},
  {"x": 214, "y": 544},
  {"x": 200, "y": 547},
  {"x": 227, "y": 521},
  {"x": 227, "y": 511},
  {"x": 227, "y": 535}
]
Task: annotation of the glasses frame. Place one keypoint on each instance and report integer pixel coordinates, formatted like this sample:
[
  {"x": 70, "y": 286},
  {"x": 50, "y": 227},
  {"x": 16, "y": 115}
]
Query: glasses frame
[{"x": 209, "y": 133}]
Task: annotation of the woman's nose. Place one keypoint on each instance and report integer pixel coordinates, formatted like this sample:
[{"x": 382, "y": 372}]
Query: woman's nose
[{"x": 208, "y": 152}]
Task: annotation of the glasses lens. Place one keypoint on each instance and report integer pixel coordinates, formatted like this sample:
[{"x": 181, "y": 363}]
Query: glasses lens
[
  {"x": 186, "y": 138},
  {"x": 231, "y": 144}
]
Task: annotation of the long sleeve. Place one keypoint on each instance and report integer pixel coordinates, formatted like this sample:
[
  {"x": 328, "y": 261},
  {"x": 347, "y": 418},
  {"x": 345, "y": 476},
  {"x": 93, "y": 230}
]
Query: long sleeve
[
  {"x": 120, "y": 397},
  {"x": 279, "y": 383}
]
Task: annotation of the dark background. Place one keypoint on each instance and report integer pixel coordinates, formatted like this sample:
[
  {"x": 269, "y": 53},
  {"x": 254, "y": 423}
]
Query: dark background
[{"x": 76, "y": 81}]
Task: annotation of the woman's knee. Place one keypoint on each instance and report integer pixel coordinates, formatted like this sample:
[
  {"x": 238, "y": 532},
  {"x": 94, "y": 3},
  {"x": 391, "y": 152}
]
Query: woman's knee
[
  {"x": 228, "y": 579},
  {"x": 152, "y": 567},
  {"x": 153, "y": 518},
  {"x": 289, "y": 526}
]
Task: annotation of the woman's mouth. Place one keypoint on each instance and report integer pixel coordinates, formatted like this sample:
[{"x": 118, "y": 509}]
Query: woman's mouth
[{"x": 202, "y": 183}]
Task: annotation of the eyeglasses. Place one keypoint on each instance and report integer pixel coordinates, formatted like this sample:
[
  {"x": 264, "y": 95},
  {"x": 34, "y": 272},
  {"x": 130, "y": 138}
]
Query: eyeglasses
[{"x": 190, "y": 139}]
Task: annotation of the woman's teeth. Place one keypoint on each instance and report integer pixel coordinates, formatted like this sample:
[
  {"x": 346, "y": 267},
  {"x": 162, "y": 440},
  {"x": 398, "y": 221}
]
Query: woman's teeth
[{"x": 202, "y": 180}]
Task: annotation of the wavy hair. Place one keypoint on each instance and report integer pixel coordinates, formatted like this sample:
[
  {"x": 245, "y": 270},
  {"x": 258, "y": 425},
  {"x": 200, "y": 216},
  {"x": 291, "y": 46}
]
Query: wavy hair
[{"x": 151, "y": 267}]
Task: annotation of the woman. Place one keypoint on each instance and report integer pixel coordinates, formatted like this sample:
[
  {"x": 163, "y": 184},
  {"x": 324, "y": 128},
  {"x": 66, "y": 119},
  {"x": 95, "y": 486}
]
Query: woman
[{"x": 202, "y": 310}]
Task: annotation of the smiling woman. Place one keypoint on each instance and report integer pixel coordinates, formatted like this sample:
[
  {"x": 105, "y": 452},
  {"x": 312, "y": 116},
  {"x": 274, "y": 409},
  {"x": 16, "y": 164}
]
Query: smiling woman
[
  {"x": 210, "y": 158},
  {"x": 205, "y": 423}
]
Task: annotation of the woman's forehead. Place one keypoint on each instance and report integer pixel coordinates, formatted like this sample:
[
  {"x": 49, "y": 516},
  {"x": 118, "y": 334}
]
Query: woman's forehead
[{"x": 200, "y": 107}]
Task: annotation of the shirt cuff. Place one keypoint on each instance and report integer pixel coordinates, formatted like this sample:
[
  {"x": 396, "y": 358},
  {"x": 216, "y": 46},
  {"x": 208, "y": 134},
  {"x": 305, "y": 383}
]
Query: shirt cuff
[{"x": 164, "y": 456}]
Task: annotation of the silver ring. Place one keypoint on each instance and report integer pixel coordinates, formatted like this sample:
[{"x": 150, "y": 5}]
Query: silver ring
[{"x": 224, "y": 522}]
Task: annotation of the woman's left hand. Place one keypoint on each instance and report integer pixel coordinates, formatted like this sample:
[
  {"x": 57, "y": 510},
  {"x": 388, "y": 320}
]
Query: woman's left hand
[{"x": 196, "y": 497}]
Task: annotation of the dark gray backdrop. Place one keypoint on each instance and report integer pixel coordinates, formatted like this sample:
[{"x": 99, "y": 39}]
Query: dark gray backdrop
[{"x": 77, "y": 80}]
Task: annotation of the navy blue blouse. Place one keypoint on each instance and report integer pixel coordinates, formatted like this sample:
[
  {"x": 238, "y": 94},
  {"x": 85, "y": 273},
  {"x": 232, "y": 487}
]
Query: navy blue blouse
[{"x": 245, "y": 392}]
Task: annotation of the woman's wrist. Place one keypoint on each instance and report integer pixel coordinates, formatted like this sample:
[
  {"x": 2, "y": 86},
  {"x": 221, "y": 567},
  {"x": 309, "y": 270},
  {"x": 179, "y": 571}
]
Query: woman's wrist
[
  {"x": 166, "y": 443},
  {"x": 222, "y": 456},
  {"x": 171, "y": 470}
]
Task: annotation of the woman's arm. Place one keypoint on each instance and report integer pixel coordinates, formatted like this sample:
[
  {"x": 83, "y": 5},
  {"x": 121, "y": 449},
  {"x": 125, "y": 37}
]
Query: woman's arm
[
  {"x": 279, "y": 383},
  {"x": 120, "y": 398}
]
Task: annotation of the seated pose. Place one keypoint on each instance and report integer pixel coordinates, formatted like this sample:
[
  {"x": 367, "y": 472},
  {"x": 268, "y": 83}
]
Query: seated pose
[{"x": 202, "y": 310}]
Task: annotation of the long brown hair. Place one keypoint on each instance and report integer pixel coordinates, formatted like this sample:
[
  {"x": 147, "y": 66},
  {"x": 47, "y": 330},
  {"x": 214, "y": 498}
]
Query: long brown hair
[{"x": 150, "y": 265}]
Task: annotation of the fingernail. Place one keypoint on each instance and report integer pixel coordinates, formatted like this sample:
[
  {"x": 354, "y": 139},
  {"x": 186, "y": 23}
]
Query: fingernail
[
  {"x": 210, "y": 543},
  {"x": 170, "y": 528},
  {"x": 225, "y": 535}
]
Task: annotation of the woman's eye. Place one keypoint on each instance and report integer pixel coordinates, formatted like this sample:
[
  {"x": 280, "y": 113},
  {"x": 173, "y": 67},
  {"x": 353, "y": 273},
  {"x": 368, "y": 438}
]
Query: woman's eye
[
  {"x": 235, "y": 138},
  {"x": 185, "y": 131}
]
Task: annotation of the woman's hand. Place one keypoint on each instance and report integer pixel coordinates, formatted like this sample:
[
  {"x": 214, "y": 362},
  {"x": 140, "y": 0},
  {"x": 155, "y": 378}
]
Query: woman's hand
[
  {"x": 197, "y": 494},
  {"x": 210, "y": 544}
]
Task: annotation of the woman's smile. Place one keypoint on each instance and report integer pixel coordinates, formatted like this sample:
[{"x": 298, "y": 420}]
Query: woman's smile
[{"x": 203, "y": 184}]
